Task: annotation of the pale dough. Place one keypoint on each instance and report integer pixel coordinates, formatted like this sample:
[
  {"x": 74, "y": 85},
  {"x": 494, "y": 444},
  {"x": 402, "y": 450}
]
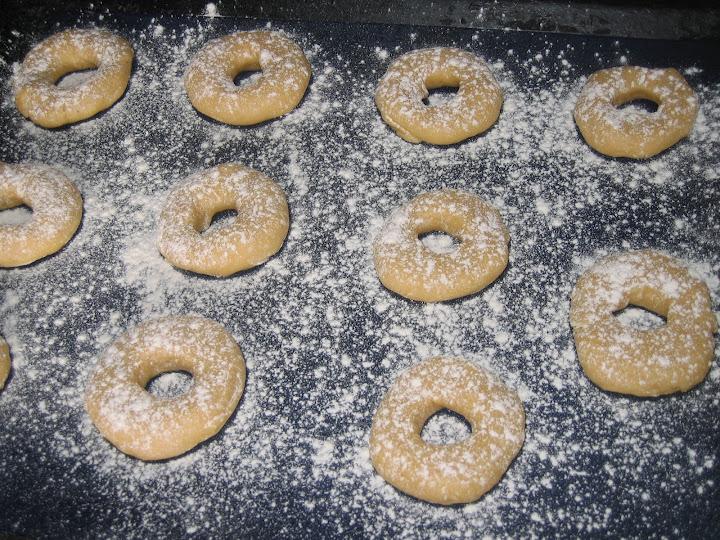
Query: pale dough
[
  {"x": 150, "y": 427},
  {"x": 257, "y": 232},
  {"x": 4, "y": 362},
  {"x": 635, "y": 133},
  {"x": 57, "y": 209},
  {"x": 452, "y": 473},
  {"x": 671, "y": 358},
  {"x": 285, "y": 77},
  {"x": 475, "y": 107},
  {"x": 39, "y": 98},
  {"x": 406, "y": 266}
]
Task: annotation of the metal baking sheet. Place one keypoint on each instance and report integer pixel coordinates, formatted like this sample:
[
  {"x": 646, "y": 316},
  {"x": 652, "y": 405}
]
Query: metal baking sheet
[{"x": 322, "y": 338}]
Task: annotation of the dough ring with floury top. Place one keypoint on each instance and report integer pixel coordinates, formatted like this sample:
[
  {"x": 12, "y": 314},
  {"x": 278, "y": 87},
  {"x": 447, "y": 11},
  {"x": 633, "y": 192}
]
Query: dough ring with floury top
[
  {"x": 150, "y": 427},
  {"x": 39, "y": 98},
  {"x": 634, "y": 133},
  {"x": 400, "y": 94},
  {"x": 671, "y": 358},
  {"x": 256, "y": 233},
  {"x": 209, "y": 80},
  {"x": 448, "y": 473},
  {"x": 56, "y": 205},
  {"x": 406, "y": 266}
]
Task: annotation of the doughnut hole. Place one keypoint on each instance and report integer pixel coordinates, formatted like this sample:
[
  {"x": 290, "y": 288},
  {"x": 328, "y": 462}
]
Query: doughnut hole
[
  {"x": 221, "y": 219},
  {"x": 243, "y": 69},
  {"x": 639, "y": 100},
  {"x": 246, "y": 77},
  {"x": 439, "y": 242},
  {"x": 440, "y": 95},
  {"x": 645, "y": 309},
  {"x": 74, "y": 67},
  {"x": 439, "y": 234},
  {"x": 170, "y": 384},
  {"x": 15, "y": 215},
  {"x": 215, "y": 213},
  {"x": 641, "y": 105},
  {"x": 73, "y": 79},
  {"x": 446, "y": 427},
  {"x": 441, "y": 88},
  {"x": 164, "y": 375},
  {"x": 639, "y": 318}
]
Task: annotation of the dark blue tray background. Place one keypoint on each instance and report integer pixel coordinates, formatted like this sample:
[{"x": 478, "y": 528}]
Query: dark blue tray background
[{"x": 47, "y": 493}]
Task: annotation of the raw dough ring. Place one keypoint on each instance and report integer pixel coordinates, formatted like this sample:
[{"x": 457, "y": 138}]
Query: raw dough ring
[
  {"x": 257, "y": 232},
  {"x": 671, "y": 358},
  {"x": 634, "y": 133},
  {"x": 453, "y": 473},
  {"x": 4, "y": 362},
  {"x": 475, "y": 107},
  {"x": 405, "y": 266},
  {"x": 150, "y": 427},
  {"x": 37, "y": 96},
  {"x": 57, "y": 210},
  {"x": 285, "y": 77}
]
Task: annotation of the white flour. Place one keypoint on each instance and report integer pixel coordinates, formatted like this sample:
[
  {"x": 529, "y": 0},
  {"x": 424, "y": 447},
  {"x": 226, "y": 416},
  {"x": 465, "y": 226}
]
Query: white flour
[{"x": 322, "y": 338}]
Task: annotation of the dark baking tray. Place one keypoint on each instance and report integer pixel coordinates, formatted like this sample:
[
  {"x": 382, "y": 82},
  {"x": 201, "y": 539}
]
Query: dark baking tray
[{"x": 322, "y": 338}]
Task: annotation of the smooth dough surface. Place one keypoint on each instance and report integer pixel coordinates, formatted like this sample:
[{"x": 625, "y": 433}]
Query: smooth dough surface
[
  {"x": 631, "y": 132},
  {"x": 56, "y": 207},
  {"x": 4, "y": 362},
  {"x": 616, "y": 357},
  {"x": 39, "y": 97},
  {"x": 474, "y": 108},
  {"x": 454, "y": 473},
  {"x": 406, "y": 266},
  {"x": 150, "y": 427},
  {"x": 209, "y": 80},
  {"x": 256, "y": 233}
]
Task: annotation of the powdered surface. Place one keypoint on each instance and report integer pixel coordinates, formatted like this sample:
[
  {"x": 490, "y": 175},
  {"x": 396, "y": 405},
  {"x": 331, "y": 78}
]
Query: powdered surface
[{"x": 323, "y": 340}]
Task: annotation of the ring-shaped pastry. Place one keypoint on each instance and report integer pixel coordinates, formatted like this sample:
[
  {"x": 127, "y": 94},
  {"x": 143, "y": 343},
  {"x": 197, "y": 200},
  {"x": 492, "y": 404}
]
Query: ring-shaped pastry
[
  {"x": 285, "y": 76},
  {"x": 257, "y": 232},
  {"x": 56, "y": 207},
  {"x": 406, "y": 266},
  {"x": 454, "y": 473},
  {"x": 400, "y": 94},
  {"x": 618, "y": 358},
  {"x": 149, "y": 427},
  {"x": 4, "y": 362},
  {"x": 635, "y": 133},
  {"x": 39, "y": 98}
]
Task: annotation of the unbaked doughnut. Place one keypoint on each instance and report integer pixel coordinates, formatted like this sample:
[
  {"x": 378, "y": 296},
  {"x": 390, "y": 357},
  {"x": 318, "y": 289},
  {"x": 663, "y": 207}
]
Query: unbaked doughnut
[
  {"x": 285, "y": 76},
  {"x": 4, "y": 362},
  {"x": 635, "y": 133},
  {"x": 150, "y": 427},
  {"x": 452, "y": 473},
  {"x": 257, "y": 232},
  {"x": 57, "y": 210},
  {"x": 39, "y": 98},
  {"x": 475, "y": 107},
  {"x": 674, "y": 357},
  {"x": 405, "y": 266}
]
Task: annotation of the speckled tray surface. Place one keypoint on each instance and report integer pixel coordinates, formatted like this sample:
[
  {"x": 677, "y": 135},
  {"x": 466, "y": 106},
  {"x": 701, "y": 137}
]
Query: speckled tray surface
[{"x": 322, "y": 338}]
